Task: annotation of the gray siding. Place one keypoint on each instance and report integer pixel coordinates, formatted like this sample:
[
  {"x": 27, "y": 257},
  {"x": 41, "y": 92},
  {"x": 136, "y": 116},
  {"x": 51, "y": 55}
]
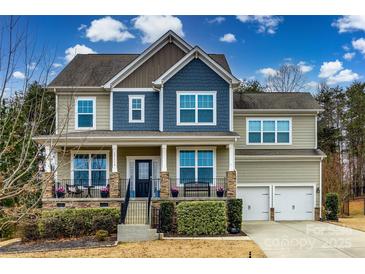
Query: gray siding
[
  {"x": 196, "y": 76},
  {"x": 66, "y": 112},
  {"x": 303, "y": 132},
  {"x": 121, "y": 111}
]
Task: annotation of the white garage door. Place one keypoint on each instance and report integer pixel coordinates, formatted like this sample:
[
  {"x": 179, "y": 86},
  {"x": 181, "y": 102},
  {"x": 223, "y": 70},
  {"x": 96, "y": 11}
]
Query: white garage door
[
  {"x": 255, "y": 202},
  {"x": 293, "y": 203}
]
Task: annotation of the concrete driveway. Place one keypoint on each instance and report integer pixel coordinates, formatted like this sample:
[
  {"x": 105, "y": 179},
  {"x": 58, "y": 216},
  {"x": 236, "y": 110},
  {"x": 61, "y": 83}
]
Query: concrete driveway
[{"x": 306, "y": 239}]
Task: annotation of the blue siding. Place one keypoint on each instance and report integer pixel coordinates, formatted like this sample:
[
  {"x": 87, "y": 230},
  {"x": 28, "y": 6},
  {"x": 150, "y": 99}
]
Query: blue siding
[
  {"x": 196, "y": 76},
  {"x": 121, "y": 109}
]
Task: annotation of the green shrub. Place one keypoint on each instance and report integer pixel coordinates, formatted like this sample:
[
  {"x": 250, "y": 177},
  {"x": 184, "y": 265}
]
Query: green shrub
[
  {"x": 7, "y": 229},
  {"x": 102, "y": 222},
  {"x": 234, "y": 214},
  {"x": 29, "y": 231},
  {"x": 166, "y": 216},
  {"x": 101, "y": 235},
  {"x": 332, "y": 203},
  {"x": 77, "y": 222},
  {"x": 201, "y": 218}
]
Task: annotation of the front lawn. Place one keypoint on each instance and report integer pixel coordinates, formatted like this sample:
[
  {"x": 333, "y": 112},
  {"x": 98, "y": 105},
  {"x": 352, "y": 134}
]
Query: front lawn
[
  {"x": 159, "y": 249},
  {"x": 355, "y": 222}
]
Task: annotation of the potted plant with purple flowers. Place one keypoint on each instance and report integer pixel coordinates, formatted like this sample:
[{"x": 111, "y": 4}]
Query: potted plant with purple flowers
[
  {"x": 104, "y": 192},
  {"x": 220, "y": 191},
  {"x": 174, "y": 192},
  {"x": 60, "y": 192}
]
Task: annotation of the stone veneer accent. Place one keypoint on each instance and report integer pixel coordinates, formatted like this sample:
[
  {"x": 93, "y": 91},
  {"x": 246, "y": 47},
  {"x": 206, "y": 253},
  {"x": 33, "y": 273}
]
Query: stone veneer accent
[
  {"x": 231, "y": 184},
  {"x": 114, "y": 184},
  {"x": 164, "y": 185},
  {"x": 272, "y": 214},
  {"x": 47, "y": 181},
  {"x": 78, "y": 204}
]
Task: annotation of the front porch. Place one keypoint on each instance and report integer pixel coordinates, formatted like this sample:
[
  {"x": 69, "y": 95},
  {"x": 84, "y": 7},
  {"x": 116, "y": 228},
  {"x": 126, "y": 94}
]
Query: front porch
[{"x": 95, "y": 176}]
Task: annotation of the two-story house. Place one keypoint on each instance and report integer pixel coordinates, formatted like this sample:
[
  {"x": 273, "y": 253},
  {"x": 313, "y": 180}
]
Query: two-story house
[{"x": 169, "y": 124}]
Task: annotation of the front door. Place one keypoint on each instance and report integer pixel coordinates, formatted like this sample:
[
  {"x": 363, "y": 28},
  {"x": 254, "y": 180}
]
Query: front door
[{"x": 143, "y": 175}]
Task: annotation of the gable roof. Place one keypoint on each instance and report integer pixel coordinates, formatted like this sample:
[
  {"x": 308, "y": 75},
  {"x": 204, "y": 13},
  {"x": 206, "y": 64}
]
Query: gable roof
[
  {"x": 106, "y": 70},
  {"x": 275, "y": 101},
  {"x": 197, "y": 52}
]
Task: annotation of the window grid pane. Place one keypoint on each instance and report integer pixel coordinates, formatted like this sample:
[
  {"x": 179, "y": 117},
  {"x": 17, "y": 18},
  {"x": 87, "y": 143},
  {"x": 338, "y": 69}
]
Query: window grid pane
[
  {"x": 205, "y": 101},
  {"x": 85, "y": 106},
  {"x": 205, "y": 158},
  {"x": 269, "y": 131},
  {"x": 187, "y": 158},
  {"x": 187, "y": 101},
  {"x": 136, "y": 104}
]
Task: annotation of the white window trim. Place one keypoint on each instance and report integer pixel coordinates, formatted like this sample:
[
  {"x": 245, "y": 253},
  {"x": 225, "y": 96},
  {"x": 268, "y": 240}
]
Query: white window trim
[
  {"x": 196, "y": 93},
  {"x": 77, "y": 99},
  {"x": 73, "y": 152},
  {"x": 178, "y": 149},
  {"x": 130, "y": 98},
  {"x": 289, "y": 119}
]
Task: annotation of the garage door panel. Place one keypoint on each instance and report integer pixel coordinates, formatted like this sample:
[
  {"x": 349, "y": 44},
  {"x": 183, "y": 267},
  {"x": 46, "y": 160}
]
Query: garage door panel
[
  {"x": 255, "y": 202},
  {"x": 293, "y": 203}
]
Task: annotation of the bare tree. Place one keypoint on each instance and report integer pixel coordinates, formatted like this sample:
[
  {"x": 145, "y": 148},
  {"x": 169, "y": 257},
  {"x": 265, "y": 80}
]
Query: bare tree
[{"x": 288, "y": 78}]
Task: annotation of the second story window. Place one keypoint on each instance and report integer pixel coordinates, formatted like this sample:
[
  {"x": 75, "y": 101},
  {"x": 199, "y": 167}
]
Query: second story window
[
  {"x": 85, "y": 113},
  {"x": 136, "y": 108},
  {"x": 269, "y": 131},
  {"x": 196, "y": 108}
]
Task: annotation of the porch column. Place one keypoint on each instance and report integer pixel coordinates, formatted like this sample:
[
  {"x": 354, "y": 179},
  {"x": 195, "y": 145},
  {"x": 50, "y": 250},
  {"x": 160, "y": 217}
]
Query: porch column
[
  {"x": 163, "y": 158},
  {"x": 232, "y": 155},
  {"x": 114, "y": 158},
  {"x": 164, "y": 175},
  {"x": 231, "y": 174},
  {"x": 47, "y": 184},
  {"x": 47, "y": 164},
  {"x": 114, "y": 178}
]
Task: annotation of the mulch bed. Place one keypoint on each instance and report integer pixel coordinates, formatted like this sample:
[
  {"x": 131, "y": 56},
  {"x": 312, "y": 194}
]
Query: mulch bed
[
  {"x": 175, "y": 235},
  {"x": 61, "y": 244}
]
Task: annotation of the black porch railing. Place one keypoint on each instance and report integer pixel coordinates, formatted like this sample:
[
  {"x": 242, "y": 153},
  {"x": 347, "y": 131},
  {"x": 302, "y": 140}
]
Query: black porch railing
[
  {"x": 207, "y": 187},
  {"x": 78, "y": 188},
  {"x": 124, "y": 206}
]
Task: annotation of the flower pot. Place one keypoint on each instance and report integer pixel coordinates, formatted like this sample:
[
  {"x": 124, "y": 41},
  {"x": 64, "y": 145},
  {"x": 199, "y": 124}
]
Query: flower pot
[
  {"x": 220, "y": 193},
  {"x": 60, "y": 194},
  {"x": 174, "y": 194},
  {"x": 104, "y": 194}
]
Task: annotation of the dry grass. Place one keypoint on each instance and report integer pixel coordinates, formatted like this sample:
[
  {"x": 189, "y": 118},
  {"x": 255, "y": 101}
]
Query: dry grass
[
  {"x": 355, "y": 222},
  {"x": 159, "y": 249}
]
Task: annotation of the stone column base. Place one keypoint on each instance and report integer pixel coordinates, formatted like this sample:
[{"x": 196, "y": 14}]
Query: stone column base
[
  {"x": 114, "y": 185},
  {"x": 47, "y": 184},
  {"x": 231, "y": 184},
  {"x": 164, "y": 185}
]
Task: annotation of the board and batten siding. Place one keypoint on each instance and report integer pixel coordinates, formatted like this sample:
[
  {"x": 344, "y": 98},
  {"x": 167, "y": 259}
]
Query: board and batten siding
[
  {"x": 66, "y": 112},
  {"x": 303, "y": 132}
]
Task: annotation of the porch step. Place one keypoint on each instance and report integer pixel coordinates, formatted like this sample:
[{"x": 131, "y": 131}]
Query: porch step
[
  {"x": 136, "y": 233},
  {"x": 137, "y": 212}
]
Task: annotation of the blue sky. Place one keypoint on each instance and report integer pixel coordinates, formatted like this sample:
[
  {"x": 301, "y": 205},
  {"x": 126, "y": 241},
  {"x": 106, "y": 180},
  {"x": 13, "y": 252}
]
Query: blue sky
[{"x": 254, "y": 45}]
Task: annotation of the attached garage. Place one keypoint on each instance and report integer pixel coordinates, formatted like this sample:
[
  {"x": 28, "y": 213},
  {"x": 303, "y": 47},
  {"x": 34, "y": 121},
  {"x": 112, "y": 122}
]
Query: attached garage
[
  {"x": 288, "y": 186},
  {"x": 293, "y": 203},
  {"x": 256, "y": 203}
]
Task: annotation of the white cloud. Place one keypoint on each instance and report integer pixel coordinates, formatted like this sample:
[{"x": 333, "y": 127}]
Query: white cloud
[
  {"x": 359, "y": 44},
  {"x": 346, "y": 75},
  {"x": 268, "y": 72},
  {"x": 265, "y": 23},
  {"x": 346, "y": 47},
  {"x": 107, "y": 29},
  {"x": 350, "y": 23},
  {"x": 304, "y": 67},
  {"x": 153, "y": 27},
  {"x": 330, "y": 68},
  {"x": 228, "y": 38},
  {"x": 216, "y": 20},
  {"x": 71, "y": 52},
  {"x": 18, "y": 75},
  {"x": 56, "y": 65},
  {"x": 312, "y": 85},
  {"x": 81, "y": 27},
  {"x": 32, "y": 66},
  {"x": 349, "y": 55}
]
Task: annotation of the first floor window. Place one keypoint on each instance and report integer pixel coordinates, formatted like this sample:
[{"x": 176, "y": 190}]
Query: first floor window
[
  {"x": 269, "y": 131},
  {"x": 196, "y": 108},
  {"x": 136, "y": 108},
  {"x": 196, "y": 165},
  {"x": 90, "y": 169},
  {"x": 85, "y": 113}
]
